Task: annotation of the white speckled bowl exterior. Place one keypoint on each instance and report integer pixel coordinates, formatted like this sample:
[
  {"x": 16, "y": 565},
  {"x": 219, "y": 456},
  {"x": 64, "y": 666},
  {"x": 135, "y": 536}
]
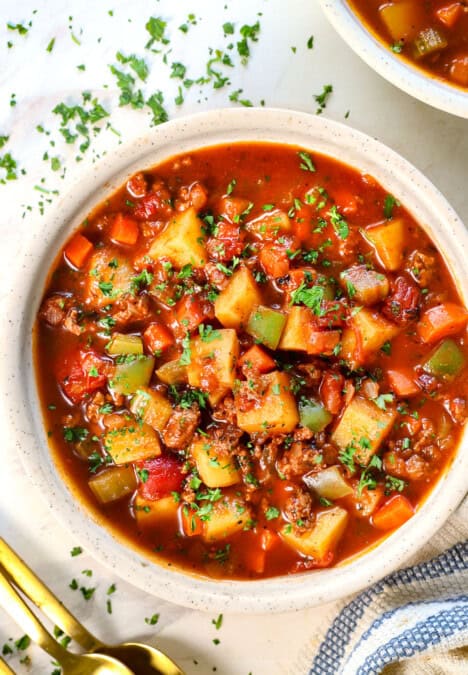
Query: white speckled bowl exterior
[
  {"x": 224, "y": 126},
  {"x": 396, "y": 70}
]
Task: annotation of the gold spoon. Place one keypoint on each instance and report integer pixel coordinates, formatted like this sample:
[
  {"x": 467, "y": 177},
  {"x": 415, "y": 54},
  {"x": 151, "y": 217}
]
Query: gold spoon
[
  {"x": 72, "y": 664},
  {"x": 145, "y": 660},
  {"x": 4, "y": 669}
]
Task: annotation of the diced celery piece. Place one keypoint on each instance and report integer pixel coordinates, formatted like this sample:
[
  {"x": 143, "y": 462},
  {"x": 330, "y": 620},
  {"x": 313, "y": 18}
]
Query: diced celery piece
[
  {"x": 125, "y": 344},
  {"x": 447, "y": 360},
  {"x": 172, "y": 372},
  {"x": 113, "y": 483},
  {"x": 266, "y": 325},
  {"x": 428, "y": 41},
  {"x": 328, "y": 483},
  {"x": 314, "y": 416},
  {"x": 132, "y": 374}
]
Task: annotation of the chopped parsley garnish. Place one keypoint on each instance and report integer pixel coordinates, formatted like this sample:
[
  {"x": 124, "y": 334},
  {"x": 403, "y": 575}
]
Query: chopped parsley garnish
[
  {"x": 186, "y": 356},
  {"x": 75, "y": 434},
  {"x": 340, "y": 225},
  {"x": 156, "y": 27},
  {"x": 306, "y": 162},
  {"x": 393, "y": 484},
  {"x": 208, "y": 333},
  {"x": 217, "y": 623},
  {"x": 322, "y": 98},
  {"x": 389, "y": 204},
  {"x": 382, "y": 400},
  {"x": 271, "y": 513},
  {"x": 152, "y": 620},
  {"x": 310, "y": 297},
  {"x": 76, "y": 550}
]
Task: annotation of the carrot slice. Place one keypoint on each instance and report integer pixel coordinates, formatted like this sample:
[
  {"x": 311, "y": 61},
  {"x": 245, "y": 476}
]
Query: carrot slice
[
  {"x": 396, "y": 511},
  {"x": 124, "y": 230},
  {"x": 77, "y": 250},
  {"x": 189, "y": 312},
  {"x": 402, "y": 382},
  {"x": 258, "y": 360},
  {"x": 440, "y": 321}
]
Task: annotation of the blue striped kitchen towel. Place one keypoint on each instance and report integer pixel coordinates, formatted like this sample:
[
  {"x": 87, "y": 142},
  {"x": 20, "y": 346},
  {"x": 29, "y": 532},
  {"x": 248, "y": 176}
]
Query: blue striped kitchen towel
[{"x": 414, "y": 621}]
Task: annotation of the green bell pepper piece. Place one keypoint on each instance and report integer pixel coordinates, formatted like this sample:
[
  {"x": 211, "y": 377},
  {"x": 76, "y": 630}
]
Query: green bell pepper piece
[
  {"x": 132, "y": 375},
  {"x": 125, "y": 344},
  {"x": 266, "y": 325},
  {"x": 314, "y": 416},
  {"x": 447, "y": 360}
]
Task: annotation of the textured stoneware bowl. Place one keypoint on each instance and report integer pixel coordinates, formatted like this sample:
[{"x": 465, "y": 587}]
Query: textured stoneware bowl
[
  {"x": 316, "y": 134},
  {"x": 393, "y": 68}
]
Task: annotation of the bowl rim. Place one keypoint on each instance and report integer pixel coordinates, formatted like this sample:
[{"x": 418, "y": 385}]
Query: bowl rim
[
  {"x": 400, "y": 72},
  {"x": 316, "y": 134}
]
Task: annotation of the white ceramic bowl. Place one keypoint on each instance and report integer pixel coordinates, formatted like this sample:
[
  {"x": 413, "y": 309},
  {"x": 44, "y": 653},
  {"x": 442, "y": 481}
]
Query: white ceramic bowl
[
  {"x": 315, "y": 134},
  {"x": 393, "y": 68}
]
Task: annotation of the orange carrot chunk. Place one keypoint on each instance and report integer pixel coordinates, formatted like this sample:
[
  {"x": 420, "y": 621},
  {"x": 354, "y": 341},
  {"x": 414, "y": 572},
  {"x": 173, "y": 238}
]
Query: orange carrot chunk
[
  {"x": 402, "y": 382},
  {"x": 191, "y": 523},
  {"x": 396, "y": 511},
  {"x": 157, "y": 338},
  {"x": 124, "y": 230},
  {"x": 257, "y": 359},
  {"x": 77, "y": 250},
  {"x": 440, "y": 321},
  {"x": 274, "y": 261},
  {"x": 449, "y": 14}
]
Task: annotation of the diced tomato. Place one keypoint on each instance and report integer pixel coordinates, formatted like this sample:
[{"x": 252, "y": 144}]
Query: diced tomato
[
  {"x": 331, "y": 391},
  {"x": 190, "y": 312},
  {"x": 396, "y": 511},
  {"x": 449, "y": 14},
  {"x": 440, "y": 321},
  {"x": 402, "y": 305},
  {"x": 228, "y": 242},
  {"x": 77, "y": 250},
  {"x": 164, "y": 476},
  {"x": 191, "y": 523},
  {"x": 154, "y": 205},
  {"x": 402, "y": 382},
  {"x": 136, "y": 186},
  {"x": 459, "y": 69},
  {"x": 82, "y": 373},
  {"x": 124, "y": 230},
  {"x": 274, "y": 261},
  {"x": 346, "y": 202},
  {"x": 323, "y": 342},
  {"x": 157, "y": 338},
  {"x": 257, "y": 359}
]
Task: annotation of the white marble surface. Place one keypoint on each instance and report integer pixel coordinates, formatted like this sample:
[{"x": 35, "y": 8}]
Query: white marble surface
[{"x": 435, "y": 142}]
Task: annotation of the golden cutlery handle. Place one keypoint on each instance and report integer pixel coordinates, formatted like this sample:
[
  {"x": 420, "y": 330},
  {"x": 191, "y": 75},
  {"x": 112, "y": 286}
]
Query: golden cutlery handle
[
  {"x": 5, "y": 669},
  {"x": 26, "y": 580},
  {"x": 14, "y": 604}
]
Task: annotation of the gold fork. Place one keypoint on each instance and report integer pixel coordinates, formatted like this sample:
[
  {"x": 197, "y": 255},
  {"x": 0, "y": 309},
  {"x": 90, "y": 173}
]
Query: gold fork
[{"x": 145, "y": 660}]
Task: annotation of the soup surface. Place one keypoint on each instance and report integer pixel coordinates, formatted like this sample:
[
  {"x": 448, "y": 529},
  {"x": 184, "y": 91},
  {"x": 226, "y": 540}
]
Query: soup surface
[
  {"x": 433, "y": 34},
  {"x": 251, "y": 361}
]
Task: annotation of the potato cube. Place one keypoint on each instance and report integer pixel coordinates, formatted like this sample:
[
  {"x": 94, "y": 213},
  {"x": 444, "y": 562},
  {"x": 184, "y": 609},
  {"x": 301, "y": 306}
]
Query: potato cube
[
  {"x": 365, "y": 334},
  {"x": 108, "y": 277},
  {"x": 152, "y": 407},
  {"x": 402, "y": 18},
  {"x": 323, "y": 538},
  {"x": 132, "y": 443},
  {"x": 182, "y": 241},
  {"x": 151, "y": 513},
  {"x": 213, "y": 363},
  {"x": 297, "y": 329},
  {"x": 215, "y": 469},
  {"x": 388, "y": 240},
  {"x": 367, "y": 501},
  {"x": 364, "y": 286},
  {"x": 276, "y": 408},
  {"x": 113, "y": 483},
  {"x": 363, "y": 426},
  {"x": 229, "y": 516},
  {"x": 235, "y": 303},
  {"x": 270, "y": 225}
]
